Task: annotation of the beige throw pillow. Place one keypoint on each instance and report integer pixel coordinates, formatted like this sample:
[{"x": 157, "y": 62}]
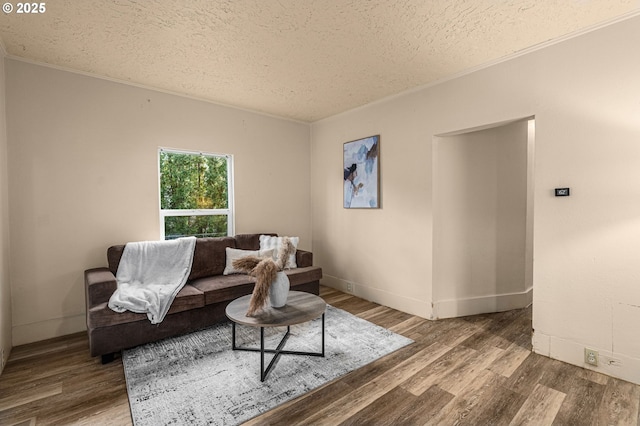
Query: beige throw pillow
[
  {"x": 233, "y": 254},
  {"x": 268, "y": 242}
]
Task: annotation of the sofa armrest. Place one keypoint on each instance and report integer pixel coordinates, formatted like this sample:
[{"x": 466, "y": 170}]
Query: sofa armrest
[
  {"x": 99, "y": 285},
  {"x": 304, "y": 258}
]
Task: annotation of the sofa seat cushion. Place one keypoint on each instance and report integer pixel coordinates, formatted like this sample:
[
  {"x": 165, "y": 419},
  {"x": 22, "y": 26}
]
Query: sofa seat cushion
[
  {"x": 303, "y": 275},
  {"x": 101, "y": 315},
  {"x": 222, "y": 288}
]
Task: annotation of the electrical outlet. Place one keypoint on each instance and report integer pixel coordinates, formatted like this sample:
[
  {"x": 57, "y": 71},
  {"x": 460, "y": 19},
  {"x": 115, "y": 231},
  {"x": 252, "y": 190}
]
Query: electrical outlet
[
  {"x": 591, "y": 357},
  {"x": 350, "y": 287}
]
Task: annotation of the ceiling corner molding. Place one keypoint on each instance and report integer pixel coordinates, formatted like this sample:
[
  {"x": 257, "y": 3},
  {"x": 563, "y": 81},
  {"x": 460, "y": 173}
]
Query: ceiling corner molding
[
  {"x": 561, "y": 39},
  {"x": 489, "y": 64},
  {"x": 535, "y": 48},
  {"x": 143, "y": 86}
]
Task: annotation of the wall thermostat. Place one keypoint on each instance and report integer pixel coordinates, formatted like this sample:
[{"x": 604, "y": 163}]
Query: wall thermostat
[{"x": 562, "y": 192}]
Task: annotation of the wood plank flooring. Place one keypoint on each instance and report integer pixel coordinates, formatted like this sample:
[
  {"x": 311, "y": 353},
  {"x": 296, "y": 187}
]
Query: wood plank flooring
[{"x": 476, "y": 370}]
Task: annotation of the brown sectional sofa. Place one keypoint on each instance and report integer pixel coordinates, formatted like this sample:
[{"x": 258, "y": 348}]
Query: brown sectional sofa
[{"x": 200, "y": 303}]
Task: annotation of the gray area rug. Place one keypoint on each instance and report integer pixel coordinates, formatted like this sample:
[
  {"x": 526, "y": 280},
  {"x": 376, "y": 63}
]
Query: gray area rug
[{"x": 197, "y": 379}]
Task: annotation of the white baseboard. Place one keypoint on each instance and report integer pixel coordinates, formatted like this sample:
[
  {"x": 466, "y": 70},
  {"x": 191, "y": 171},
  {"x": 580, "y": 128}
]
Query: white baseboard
[
  {"x": 481, "y": 305},
  {"x": 409, "y": 305},
  {"x": 42, "y": 330},
  {"x": 610, "y": 363}
]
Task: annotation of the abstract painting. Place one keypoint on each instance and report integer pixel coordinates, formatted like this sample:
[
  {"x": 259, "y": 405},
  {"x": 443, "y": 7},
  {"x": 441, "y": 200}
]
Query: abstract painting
[{"x": 361, "y": 172}]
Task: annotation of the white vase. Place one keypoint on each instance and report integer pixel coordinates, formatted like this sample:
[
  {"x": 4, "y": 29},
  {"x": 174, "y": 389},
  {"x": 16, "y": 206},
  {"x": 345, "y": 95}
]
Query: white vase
[{"x": 279, "y": 290}]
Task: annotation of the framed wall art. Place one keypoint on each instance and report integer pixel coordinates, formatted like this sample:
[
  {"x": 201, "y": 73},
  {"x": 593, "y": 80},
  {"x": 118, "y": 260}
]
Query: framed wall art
[{"x": 361, "y": 167}]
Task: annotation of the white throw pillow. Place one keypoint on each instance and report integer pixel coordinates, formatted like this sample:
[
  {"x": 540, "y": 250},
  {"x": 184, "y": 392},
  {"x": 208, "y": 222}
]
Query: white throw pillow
[
  {"x": 268, "y": 242},
  {"x": 233, "y": 254}
]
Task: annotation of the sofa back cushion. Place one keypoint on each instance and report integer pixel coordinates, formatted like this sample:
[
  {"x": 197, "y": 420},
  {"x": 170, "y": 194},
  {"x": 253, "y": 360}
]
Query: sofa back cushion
[
  {"x": 249, "y": 241},
  {"x": 114, "y": 253},
  {"x": 209, "y": 257}
]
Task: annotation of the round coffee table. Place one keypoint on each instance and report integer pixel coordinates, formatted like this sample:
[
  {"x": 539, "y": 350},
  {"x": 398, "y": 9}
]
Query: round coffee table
[{"x": 301, "y": 307}]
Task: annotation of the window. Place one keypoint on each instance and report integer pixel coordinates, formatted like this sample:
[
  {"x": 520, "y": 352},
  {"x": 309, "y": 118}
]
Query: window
[{"x": 196, "y": 194}]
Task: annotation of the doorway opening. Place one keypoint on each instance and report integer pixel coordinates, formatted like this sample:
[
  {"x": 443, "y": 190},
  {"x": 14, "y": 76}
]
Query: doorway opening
[{"x": 483, "y": 219}]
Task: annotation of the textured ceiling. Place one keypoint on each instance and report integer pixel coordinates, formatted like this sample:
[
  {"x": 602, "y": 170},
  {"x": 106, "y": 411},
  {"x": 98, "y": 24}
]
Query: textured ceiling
[{"x": 298, "y": 59}]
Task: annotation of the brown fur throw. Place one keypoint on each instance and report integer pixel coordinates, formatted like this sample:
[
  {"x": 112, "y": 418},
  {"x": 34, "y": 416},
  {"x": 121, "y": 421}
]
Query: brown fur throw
[{"x": 264, "y": 270}]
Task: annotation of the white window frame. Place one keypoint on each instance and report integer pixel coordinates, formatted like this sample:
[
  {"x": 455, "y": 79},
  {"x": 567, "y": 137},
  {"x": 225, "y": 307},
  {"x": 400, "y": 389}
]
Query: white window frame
[{"x": 229, "y": 212}]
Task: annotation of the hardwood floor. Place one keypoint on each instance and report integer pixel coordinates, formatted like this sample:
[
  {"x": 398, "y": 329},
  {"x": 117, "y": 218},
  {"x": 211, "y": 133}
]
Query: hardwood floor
[{"x": 470, "y": 371}]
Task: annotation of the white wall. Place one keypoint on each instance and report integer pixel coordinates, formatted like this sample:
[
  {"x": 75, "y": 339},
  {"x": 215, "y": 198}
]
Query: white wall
[
  {"x": 83, "y": 175},
  {"x": 583, "y": 93},
  {"x": 5, "y": 288},
  {"x": 480, "y": 221}
]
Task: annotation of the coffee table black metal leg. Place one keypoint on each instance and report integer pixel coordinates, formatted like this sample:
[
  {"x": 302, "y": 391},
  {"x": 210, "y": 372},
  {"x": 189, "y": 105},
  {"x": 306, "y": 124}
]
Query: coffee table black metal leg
[
  {"x": 277, "y": 351},
  {"x": 233, "y": 335},
  {"x": 262, "y": 372},
  {"x": 323, "y": 335}
]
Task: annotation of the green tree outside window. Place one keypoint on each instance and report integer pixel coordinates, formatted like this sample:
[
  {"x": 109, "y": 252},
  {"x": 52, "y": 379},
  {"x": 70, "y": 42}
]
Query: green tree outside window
[{"x": 195, "y": 194}]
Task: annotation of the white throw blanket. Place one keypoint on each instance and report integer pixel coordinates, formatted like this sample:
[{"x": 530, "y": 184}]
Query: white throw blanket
[{"x": 150, "y": 274}]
